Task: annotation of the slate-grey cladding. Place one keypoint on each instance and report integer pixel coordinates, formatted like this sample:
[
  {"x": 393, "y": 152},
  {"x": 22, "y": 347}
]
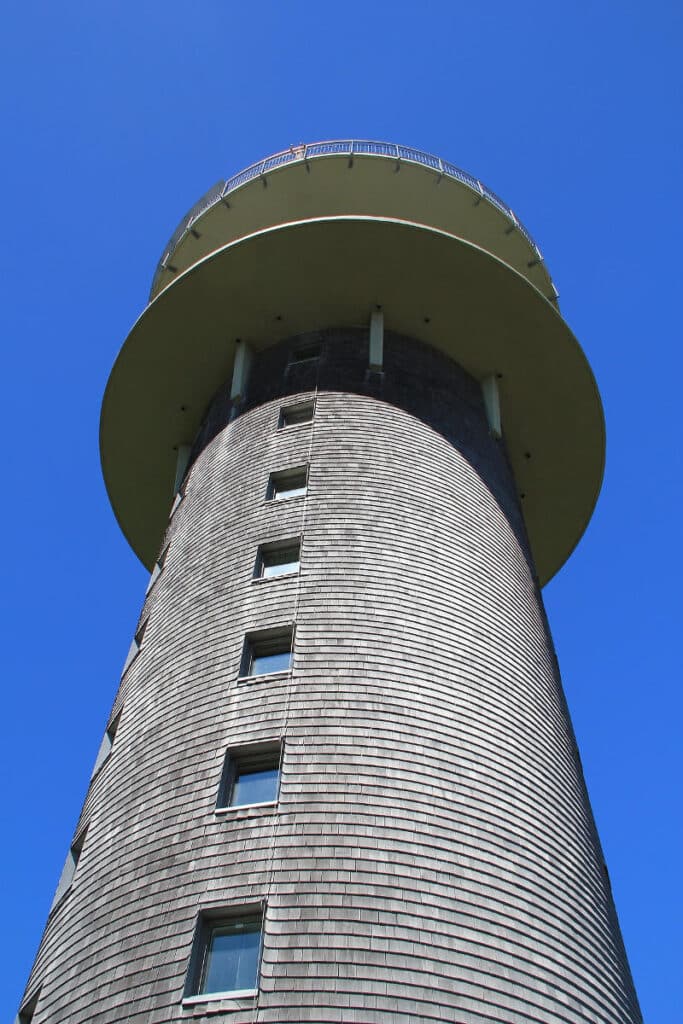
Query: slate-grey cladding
[{"x": 433, "y": 855}]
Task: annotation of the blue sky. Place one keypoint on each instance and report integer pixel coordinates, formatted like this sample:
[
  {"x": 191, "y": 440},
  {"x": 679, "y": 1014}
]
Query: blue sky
[{"x": 116, "y": 117}]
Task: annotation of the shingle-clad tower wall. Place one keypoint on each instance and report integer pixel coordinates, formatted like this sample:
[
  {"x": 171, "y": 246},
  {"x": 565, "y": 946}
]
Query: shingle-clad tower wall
[{"x": 430, "y": 854}]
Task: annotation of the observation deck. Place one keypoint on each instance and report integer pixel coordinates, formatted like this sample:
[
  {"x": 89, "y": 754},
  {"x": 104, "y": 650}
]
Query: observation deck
[
  {"x": 461, "y": 204},
  {"x": 320, "y": 236}
]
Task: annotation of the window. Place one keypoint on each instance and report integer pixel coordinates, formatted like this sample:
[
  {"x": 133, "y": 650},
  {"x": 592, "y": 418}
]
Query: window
[
  {"x": 70, "y": 865},
  {"x": 226, "y": 956},
  {"x": 251, "y": 775},
  {"x": 290, "y": 483},
  {"x": 178, "y": 497},
  {"x": 278, "y": 559},
  {"x": 158, "y": 567},
  {"x": 106, "y": 744},
  {"x": 27, "y": 1011},
  {"x": 140, "y": 632},
  {"x": 291, "y": 415},
  {"x": 305, "y": 352},
  {"x": 267, "y": 651},
  {"x": 135, "y": 645}
]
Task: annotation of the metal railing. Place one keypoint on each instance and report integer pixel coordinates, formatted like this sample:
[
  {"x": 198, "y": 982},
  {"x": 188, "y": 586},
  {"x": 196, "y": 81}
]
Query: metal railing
[{"x": 343, "y": 147}]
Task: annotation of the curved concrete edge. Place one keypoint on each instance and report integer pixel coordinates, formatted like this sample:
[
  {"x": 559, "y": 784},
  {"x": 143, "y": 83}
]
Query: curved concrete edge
[{"x": 332, "y": 271}]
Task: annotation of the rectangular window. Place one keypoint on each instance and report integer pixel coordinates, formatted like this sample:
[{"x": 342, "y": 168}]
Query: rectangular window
[
  {"x": 106, "y": 744},
  {"x": 266, "y": 652},
  {"x": 278, "y": 559},
  {"x": 134, "y": 648},
  {"x": 70, "y": 865},
  {"x": 232, "y": 955},
  {"x": 226, "y": 956},
  {"x": 289, "y": 483},
  {"x": 158, "y": 568},
  {"x": 305, "y": 352},
  {"x": 27, "y": 1012},
  {"x": 251, "y": 775},
  {"x": 177, "y": 500},
  {"x": 140, "y": 633},
  {"x": 291, "y": 415}
]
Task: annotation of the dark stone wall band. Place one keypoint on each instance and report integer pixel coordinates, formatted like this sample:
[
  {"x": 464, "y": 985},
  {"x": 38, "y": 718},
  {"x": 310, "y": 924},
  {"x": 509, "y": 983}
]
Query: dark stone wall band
[{"x": 415, "y": 377}]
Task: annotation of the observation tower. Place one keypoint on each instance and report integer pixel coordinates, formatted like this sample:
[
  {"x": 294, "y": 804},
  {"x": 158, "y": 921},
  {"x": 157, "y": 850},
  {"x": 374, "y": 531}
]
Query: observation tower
[{"x": 351, "y": 437}]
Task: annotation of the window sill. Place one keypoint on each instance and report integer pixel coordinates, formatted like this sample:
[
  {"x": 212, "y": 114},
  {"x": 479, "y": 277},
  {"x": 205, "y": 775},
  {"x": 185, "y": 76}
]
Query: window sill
[
  {"x": 269, "y": 579},
  {"x": 220, "y": 811},
  {"x": 285, "y": 497},
  {"x": 266, "y": 677},
  {"x": 293, "y": 426},
  {"x": 212, "y": 997}
]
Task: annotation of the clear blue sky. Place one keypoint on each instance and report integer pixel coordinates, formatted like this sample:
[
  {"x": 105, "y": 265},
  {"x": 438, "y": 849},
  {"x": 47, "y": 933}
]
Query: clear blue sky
[{"x": 116, "y": 117}]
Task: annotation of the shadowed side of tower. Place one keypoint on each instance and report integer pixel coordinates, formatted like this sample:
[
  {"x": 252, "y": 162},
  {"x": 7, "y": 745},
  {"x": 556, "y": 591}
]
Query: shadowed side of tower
[{"x": 340, "y": 781}]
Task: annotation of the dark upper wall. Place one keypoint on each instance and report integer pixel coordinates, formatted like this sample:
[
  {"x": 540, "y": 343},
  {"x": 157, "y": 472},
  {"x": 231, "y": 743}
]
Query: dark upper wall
[{"x": 415, "y": 377}]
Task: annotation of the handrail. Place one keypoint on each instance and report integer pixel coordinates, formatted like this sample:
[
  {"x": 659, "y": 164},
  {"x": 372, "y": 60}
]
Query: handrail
[{"x": 343, "y": 147}]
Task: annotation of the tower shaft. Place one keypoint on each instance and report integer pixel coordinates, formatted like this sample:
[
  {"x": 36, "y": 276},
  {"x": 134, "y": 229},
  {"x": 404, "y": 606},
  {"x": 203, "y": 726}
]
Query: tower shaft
[{"x": 431, "y": 853}]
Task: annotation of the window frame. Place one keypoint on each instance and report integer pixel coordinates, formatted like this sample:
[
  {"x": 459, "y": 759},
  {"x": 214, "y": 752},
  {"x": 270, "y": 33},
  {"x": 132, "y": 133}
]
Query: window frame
[
  {"x": 281, "y": 476},
  {"x": 158, "y": 567},
  {"x": 266, "y": 753},
  {"x": 209, "y": 921},
  {"x": 66, "y": 879},
  {"x": 179, "y": 496},
  {"x": 28, "y": 1007},
  {"x": 136, "y": 644},
  {"x": 296, "y": 408},
  {"x": 261, "y": 641},
  {"x": 272, "y": 548},
  {"x": 140, "y": 632},
  {"x": 106, "y": 746}
]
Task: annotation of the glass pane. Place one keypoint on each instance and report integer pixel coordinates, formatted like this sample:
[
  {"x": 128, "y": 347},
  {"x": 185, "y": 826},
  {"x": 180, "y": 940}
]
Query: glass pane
[
  {"x": 232, "y": 958},
  {"x": 289, "y": 488},
  {"x": 280, "y": 568},
  {"x": 297, "y": 414},
  {"x": 278, "y": 562},
  {"x": 264, "y": 663},
  {"x": 255, "y": 787}
]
